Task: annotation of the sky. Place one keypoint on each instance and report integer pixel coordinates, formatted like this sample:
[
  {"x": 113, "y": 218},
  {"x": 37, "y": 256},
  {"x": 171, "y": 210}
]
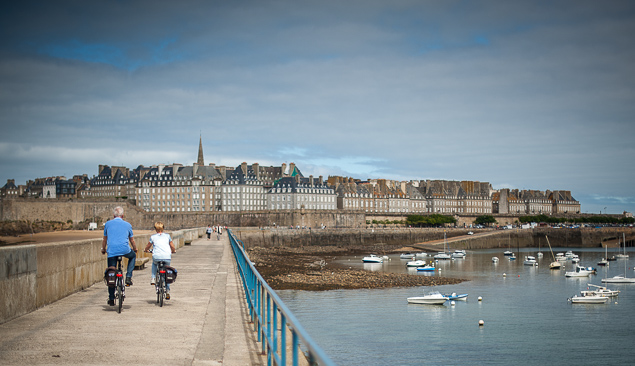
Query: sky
[{"x": 521, "y": 94}]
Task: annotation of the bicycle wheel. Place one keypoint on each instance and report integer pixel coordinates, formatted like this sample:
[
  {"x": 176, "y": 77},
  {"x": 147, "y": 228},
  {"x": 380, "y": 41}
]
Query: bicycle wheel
[
  {"x": 161, "y": 291},
  {"x": 119, "y": 296}
]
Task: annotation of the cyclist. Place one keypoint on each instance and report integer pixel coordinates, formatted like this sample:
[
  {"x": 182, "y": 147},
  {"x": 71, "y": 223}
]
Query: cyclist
[
  {"x": 162, "y": 251},
  {"x": 117, "y": 234}
]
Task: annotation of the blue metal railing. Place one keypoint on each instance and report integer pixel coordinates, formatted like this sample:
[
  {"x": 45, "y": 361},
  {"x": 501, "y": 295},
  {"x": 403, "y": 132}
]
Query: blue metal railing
[{"x": 272, "y": 319}]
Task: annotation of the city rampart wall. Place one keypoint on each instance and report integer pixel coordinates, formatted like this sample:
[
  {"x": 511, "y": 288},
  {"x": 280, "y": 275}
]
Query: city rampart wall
[
  {"x": 35, "y": 275},
  {"x": 80, "y": 211}
]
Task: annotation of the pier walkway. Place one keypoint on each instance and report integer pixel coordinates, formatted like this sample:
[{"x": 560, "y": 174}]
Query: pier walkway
[{"x": 204, "y": 323}]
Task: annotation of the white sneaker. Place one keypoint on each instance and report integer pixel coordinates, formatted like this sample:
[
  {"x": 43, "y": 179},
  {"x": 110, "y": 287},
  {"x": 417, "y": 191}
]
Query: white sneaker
[{"x": 152, "y": 281}]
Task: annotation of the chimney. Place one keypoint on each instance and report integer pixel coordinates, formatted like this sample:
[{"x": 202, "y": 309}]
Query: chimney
[
  {"x": 256, "y": 168},
  {"x": 291, "y": 168},
  {"x": 311, "y": 180},
  {"x": 243, "y": 166},
  {"x": 284, "y": 169}
]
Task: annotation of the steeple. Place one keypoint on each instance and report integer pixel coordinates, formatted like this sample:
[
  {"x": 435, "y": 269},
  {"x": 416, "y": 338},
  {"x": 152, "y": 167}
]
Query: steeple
[{"x": 200, "y": 161}]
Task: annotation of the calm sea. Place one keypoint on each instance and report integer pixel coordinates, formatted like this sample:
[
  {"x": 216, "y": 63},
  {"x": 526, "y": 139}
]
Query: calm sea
[{"x": 528, "y": 319}]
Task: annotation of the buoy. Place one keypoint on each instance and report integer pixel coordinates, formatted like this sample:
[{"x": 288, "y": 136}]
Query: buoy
[
  {"x": 481, "y": 323},
  {"x": 504, "y": 274},
  {"x": 518, "y": 275},
  {"x": 452, "y": 303},
  {"x": 480, "y": 298}
]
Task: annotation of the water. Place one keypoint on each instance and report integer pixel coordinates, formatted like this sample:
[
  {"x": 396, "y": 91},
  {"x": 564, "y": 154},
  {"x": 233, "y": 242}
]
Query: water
[{"x": 528, "y": 319}]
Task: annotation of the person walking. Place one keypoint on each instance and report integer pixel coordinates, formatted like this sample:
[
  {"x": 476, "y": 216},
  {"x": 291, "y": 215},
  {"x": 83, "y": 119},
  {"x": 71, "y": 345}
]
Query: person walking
[
  {"x": 162, "y": 249},
  {"x": 209, "y": 231},
  {"x": 117, "y": 234}
]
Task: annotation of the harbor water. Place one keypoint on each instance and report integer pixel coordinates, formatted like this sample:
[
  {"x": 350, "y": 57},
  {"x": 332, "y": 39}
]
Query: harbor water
[{"x": 527, "y": 317}]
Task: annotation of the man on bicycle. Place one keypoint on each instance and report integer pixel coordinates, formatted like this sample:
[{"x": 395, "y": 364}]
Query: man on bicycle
[
  {"x": 117, "y": 233},
  {"x": 163, "y": 247}
]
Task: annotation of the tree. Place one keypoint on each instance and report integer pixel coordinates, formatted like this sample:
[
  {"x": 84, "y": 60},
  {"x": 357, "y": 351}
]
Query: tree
[{"x": 485, "y": 220}]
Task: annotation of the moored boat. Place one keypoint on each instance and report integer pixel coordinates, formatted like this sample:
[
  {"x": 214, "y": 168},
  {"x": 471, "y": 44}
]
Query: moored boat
[
  {"x": 426, "y": 268},
  {"x": 458, "y": 254},
  {"x": 455, "y": 296},
  {"x": 417, "y": 263},
  {"x": 600, "y": 291},
  {"x": 530, "y": 260},
  {"x": 432, "y": 298},
  {"x": 372, "y": 259},
  {"x": 594, "y": 299},
  {"x": 580, "y": 272}
]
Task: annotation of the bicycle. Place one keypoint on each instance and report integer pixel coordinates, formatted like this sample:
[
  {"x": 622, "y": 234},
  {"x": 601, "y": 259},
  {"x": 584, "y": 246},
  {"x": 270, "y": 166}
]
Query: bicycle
[
  {"x": 120, "y": 292},
  {"x": 160, "y": 283}
]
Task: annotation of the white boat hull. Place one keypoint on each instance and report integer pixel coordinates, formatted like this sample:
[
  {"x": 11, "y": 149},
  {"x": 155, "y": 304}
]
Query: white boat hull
[
  {"x": 618, "y": 279},
  {"x": 427, "y": 300},
  {"x": 589, "y": 300}
]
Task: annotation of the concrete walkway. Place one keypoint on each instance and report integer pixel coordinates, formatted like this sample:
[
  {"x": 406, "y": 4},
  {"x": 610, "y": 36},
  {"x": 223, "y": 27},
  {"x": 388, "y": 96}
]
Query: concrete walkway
[{"x": 205, "y": 322}]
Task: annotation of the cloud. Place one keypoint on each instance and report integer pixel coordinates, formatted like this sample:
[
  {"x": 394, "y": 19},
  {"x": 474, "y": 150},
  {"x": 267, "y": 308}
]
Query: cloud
[{"x": 526, "y": 95}]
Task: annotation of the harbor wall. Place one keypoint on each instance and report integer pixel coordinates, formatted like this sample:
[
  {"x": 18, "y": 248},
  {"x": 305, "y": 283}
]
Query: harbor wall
[{"x": 374, "y": 239}]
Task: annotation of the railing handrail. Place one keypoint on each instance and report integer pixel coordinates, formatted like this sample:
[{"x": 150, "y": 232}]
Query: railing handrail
[{"x": 254, "y": 284}]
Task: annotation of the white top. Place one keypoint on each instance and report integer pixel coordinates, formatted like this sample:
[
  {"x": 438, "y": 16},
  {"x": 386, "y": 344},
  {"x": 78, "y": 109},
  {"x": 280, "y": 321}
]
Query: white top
[{"x": 161, "y": 246}]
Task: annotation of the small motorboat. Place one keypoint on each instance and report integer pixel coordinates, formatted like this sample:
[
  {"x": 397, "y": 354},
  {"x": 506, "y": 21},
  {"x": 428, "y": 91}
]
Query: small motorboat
[
  {"x": 426, "y": 268},
  {"x": 432, "y": 298},
  {"x": 508, "y": 253},
  {"x": 417, "y": 263},
  {"x": 512, "y": 257},
  {"x": 454, "y": 296},
  {"x": 530, "y": 260},
  {"x": 373, "y": 259},
  {"x": 442, "y": 255},
  {"x": 593, "y": 299},
  {"x": 495, "y": 259},
  {"x": 600, "y": 291},
  {"x": 421, "y": 255},
  {"x": 458, "y": 254},
  {"x": 407, "y": 256},
  {"x": 603, "y": 262},
  {"x": 580, "y": 272}
]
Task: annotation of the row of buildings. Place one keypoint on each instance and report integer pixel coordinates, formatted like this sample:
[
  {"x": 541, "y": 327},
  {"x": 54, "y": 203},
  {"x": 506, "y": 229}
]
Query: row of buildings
[{"x": 176, "y": 188}]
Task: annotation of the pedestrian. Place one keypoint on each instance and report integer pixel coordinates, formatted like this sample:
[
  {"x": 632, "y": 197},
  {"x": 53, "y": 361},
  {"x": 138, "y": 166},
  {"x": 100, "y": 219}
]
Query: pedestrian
[
  {"x": 162, "y": 249},
  {"x": 209, "y": 231},
  {"x": 117, "y": 234}
]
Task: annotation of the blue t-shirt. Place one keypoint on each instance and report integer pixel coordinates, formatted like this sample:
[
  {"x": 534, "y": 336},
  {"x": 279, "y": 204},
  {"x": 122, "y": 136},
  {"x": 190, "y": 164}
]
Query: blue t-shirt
[{"x": 117, "y": 231}]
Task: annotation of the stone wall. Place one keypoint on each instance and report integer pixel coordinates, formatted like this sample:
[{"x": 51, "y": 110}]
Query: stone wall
[
  {"x": 35, "y": 275},
  {"x": 79, "y": 211},
  {"x": 375, "y": 238}
]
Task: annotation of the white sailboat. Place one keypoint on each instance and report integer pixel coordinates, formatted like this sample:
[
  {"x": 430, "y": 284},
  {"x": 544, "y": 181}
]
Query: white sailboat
[
  {"x": 620, "y": 255},
  {"x": 618, "y": 278},
  {"x": 444, "y": 254},
  {"x": 555, "y": 264}
]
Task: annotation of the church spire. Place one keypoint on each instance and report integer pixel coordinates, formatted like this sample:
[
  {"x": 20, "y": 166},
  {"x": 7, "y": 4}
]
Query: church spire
[{"x": 200, "y": 161}]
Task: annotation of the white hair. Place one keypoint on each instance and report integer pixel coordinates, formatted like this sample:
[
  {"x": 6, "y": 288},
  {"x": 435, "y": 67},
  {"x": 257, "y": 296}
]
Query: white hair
[{"x": 118, "y": 211}]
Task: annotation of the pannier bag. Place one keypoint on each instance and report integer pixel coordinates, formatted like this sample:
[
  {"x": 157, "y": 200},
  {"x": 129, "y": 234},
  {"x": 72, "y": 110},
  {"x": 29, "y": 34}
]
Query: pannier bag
[
  {"x": 110, "y": 276},
  {"x": 170, "y": 274}
]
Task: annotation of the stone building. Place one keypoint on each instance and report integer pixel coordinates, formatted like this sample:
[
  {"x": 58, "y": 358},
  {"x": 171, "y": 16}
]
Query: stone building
[
  {"x": 454, "y": 197},
  {"x": 297, "y": 193},
  {"x": 563, "y": 202},
  {"x": 9, "y": 190}
]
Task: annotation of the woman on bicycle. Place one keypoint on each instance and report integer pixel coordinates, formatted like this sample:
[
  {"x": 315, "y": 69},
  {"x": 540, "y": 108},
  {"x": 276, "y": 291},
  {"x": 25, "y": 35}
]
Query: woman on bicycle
[{"x": 163, "y": 247}]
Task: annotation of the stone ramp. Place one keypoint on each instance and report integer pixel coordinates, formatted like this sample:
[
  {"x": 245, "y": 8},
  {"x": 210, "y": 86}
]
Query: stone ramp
[{"x": 205, "y": 322}]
